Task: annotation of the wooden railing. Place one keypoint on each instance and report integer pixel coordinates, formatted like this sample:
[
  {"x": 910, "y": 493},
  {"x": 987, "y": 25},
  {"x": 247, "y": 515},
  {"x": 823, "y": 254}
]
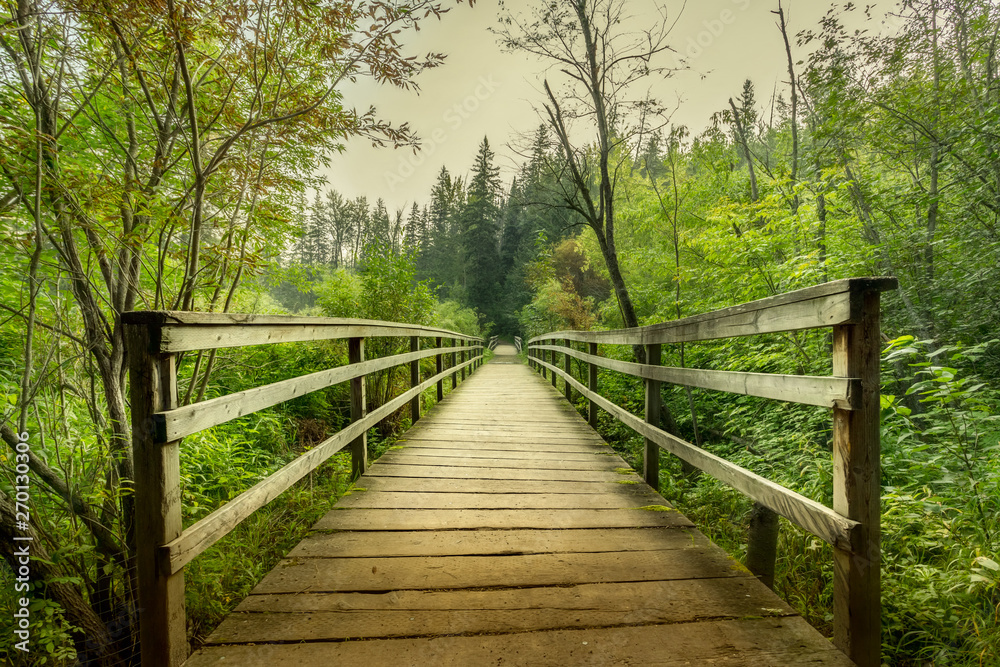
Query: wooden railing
[
  {"x": 159, "y": 423},
  {"x": 851, "y": 308}
]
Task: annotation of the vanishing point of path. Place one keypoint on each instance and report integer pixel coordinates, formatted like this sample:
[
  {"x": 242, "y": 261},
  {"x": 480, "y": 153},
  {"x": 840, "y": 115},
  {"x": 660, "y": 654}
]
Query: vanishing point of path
[{"x": 506, "y": 532}]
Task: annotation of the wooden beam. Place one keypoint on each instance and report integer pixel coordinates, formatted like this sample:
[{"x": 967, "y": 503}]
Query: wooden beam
[
  {"x": 454, "y": 374},
  {"x": 857, "y": 489},
  {"x": 823, "y": 305},
  {"x": 439, "y": 366},
  {"x": 822, "y": 391},
  {"x": 814, "y": 517},
  {"x": 592, "y": 386},
  {"x": 183, "y": 331},
  {"x": 651, "y": 453},
  {"x": 568, "y": 359},
  {"x": 153, "y": 387},
  {"x": 206, "y": 532},
  {"x": 184, "y": 421},
  {"x": 415, "y": 379},
  {"x": 359, "y": 446}
]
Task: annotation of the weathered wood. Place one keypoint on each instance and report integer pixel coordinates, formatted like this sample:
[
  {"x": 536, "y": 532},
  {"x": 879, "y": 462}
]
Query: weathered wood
[
  {"x": 359, "y": 408},
  {"x": 504, "y": 552},
  {"x": 153, "y": 387},
  {"x": 470, "y": 485},
  {"x": 415, "y": 380},
  {"x": 184, "y": 421},
  {"x": 440, "y": 519},
  {"x": 454, "y": 375},
  {"x": 762, "y": 544},
  {"x": 823, "y": 305},
  {"x": 748, "y": 642},
  {"x": 183, "y": 331},
  {"x": 350, "y": 544},
  {"x": 438, "y": 366},
  {"x": 857, "y": 489},
  {"x": 827, "y": 392},
  {"x": 282, "y": 618},
  {"x": 592, "y": 385},
  {"x": 463, "y": 359},
  {"x": 814, "y": 517},
  {"x": 323, "y": 575},
  {"x": 548, "y": 463},
  {"x": 207, "y": 531},
  {"x": 568, "y": 361},
  {"x": 651, "y": 452}
]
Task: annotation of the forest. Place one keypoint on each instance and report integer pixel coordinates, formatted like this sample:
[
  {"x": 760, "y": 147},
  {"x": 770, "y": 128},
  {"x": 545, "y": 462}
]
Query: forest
[{"x": 156, "y": 160}]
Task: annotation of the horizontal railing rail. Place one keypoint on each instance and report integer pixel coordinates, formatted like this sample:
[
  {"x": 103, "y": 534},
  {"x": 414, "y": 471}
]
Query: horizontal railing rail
[
  {"x": 155, "y": 339},
  {"x": 852, "y": 526}
]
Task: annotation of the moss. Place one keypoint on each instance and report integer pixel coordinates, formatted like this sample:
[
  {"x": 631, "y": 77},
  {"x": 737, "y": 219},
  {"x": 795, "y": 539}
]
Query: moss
[
  {"x": 624, "y": 471},
  {"x": 627, "y": 481},
  {"x": 396, "y": 447},
  {"x": 658, "y": 508}
]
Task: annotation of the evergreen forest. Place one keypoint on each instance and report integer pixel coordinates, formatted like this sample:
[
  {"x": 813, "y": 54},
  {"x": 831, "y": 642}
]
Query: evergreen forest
[{"x": 163, "y": 155}]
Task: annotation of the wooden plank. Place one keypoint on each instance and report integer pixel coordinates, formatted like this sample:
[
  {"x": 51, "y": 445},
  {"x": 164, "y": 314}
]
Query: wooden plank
[
  {"x": 514, "y": 446},
  {"x": 184, "y": 421},
  {"x": 857, "y": 490},
  {"x": 444, "y": 485},
  {"x": 822, "y": 391},
  {"x": 399, "y": 457},
  {"x": 354, "y": 544},
  {"x": 316, "y": 575},
  {"x": 767, "y": 642},
  {"x": 210, "y": 529},
  {"x": 153, "y": 387},
  {"x": 407, "y": 519},
  {"x": 408, "y": 500},
  {"x": 819, "y": 306},
  {"x": 461, "y": 472},
  {"x": 814, "y": 517},
  {"x": 430, "y": 613},
  {"x": 574, "y": 454}
]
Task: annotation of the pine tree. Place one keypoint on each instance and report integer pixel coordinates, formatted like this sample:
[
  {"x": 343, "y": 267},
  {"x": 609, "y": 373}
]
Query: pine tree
[{"x": 481, "y": 234}]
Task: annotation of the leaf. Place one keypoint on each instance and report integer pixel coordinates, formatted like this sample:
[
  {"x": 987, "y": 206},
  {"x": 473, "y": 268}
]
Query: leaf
[{"x": 988, "y": 563}]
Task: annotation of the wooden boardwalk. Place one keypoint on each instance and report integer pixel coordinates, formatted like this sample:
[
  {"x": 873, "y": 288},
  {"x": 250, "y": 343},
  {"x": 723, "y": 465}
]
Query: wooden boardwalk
[{"x": 506, "y": 532}]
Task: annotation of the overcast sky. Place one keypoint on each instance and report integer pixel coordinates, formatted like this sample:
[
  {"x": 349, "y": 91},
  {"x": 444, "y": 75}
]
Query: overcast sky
[{"x": 482, "y": 91}]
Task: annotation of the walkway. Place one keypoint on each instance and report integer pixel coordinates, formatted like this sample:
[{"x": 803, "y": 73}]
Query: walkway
[{"x": 506, "y": 532}]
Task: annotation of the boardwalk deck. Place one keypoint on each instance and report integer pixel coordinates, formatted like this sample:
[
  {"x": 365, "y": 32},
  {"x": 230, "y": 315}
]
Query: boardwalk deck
[{"x": 506, "y": 532}]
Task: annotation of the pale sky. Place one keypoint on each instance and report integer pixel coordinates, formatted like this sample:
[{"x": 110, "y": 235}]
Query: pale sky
[{"x": 482, "y": 91}]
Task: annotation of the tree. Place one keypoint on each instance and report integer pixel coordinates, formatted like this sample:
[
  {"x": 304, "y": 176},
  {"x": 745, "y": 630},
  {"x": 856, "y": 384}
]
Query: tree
[
  {"x": 155, "y": 160},
  {"x": 603, "y": 61},
  {"x": 480, "y": 234}
]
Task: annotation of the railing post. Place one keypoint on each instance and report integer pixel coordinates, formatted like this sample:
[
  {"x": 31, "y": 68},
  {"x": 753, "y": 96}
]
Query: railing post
[
  {"x": 454, "y": 374},
  {"x": 359, "y": 446},
  {"x": 569, "y": 371},
  {"x": 439, "y": 366},
  {"x": 762, "y": 543},
  {"x": 543, "y": 357},
  {"x": 857, "y": 485},
  {"x": 651, "y": 455},
  {"x": 463, "y": 358},
  {"x": 592, "y": 386},
  {"x": 552, "y": 360},
  {"x": 414, "y": 380},
  {"x": 153, "y": 388}
]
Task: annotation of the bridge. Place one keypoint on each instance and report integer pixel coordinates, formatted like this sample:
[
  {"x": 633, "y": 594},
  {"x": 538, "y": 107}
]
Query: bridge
[{"x": 503, "y": 530}]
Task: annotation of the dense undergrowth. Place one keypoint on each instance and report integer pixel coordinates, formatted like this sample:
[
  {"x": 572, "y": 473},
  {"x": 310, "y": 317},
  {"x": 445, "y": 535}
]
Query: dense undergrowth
[{"x": 940, "y": 492}]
